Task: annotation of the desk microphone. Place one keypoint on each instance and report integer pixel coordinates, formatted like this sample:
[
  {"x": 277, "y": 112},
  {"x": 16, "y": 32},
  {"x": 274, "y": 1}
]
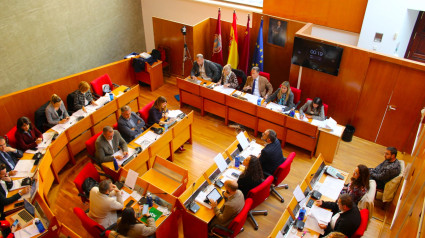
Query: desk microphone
[{"x": 192, "y": 206}]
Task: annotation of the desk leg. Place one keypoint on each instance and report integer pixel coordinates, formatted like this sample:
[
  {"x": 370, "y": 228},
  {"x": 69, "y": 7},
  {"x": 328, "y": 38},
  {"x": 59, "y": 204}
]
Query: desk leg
[
  {"x": 181, "y": 99},
  {"x": 202, "y": 107},
  {"x": 226, "y": 116},
  {"x": 170, "y": 146},
  {"x": 190, "y": 132}
]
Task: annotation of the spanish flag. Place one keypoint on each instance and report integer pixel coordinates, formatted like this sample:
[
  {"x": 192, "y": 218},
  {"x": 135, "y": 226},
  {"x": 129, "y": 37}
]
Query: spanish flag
[{"x": 233, "y": 59}]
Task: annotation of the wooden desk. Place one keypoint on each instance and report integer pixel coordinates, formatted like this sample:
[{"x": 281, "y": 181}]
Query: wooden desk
[
  {"x": 152, "y": 75},
  {"x": 288, "y": 129},
  {"x": 328, "y": 143}
]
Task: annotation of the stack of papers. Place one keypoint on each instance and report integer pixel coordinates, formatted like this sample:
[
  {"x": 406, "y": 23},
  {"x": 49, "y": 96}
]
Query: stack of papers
[
  {"x": 331, "y": 187},
  {"x": 224, "y": 90},
  {"x": 228, "y": 175},
  {"x": 174, "y": 113},
  {"x": 131, "y": 151},
  {"x": 146, "y": 139},
  {"x": 274, "y": 107},
  {"x": 23, "y": 168},
  {"x": 202, "y": 195},
  {"x": 59, "y": 128},
  {"x": 251, "y": 98},
  {"x": 47, "y": 139},
  {"x": 252, "y": 149},
  {"x": 322, "y": 215},
  {"x": 17, "y": 184},
  {"x": 28, "y": 231}
]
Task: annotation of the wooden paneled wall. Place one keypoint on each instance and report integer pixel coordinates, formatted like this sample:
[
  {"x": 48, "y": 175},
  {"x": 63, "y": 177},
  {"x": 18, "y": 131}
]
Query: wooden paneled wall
[
  {"x": 168, "y": 33},
  {"x": 27, "y": 101},
  {"x": 344, "y": 15}
]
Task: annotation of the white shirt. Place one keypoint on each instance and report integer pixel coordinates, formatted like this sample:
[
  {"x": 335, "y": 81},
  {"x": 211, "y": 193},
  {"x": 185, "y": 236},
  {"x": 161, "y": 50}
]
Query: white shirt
[
  {"x": 112, "y": 146},
  {"x": 256, "y": 90},
  {"x": 103, "y": 208}
]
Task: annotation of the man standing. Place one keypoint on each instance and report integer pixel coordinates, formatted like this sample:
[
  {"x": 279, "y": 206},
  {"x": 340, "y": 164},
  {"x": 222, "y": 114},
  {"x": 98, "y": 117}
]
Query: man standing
[
  {"x": 258, "y": 85},
  {"x": 130, "y": 125},
  {"x": 387, "y": 170},
  {"x": 9, "y": 156},
  {"x": 108, "y": 143},
  {"x": 205, "y": 69},
  {"x": 105, "y": 201},
  {"x": 271, "y": 155},
  {"x": 234, "y": 202},
  {"x": 346, "y": 218}
]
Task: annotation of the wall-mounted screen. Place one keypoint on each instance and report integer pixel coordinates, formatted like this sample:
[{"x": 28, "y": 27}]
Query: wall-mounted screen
[{"x": 316, "y": 55}]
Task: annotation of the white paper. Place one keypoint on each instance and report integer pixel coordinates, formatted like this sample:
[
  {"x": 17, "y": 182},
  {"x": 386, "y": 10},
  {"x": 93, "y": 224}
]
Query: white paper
[
  {"x": 124, "y": 195},
  {"x": 47, "y": 139},
  {"x": 312, "y": 224},
  {"x": 253, "y": 149},
  {"x": 164, "y": 210},
  {"x": 28, "y": 231},
  {"x": 331, "y": 187},
  {"x": 131, "y": 151},
  {"x": 227, "y": 91},
  {"x": 279, "y": 235},
  {"x": 221, "y": 163},
  {"x": 31, "y": 151},
  {"x": 59, "y": 128},
  {"x": 80, "y": 113},
  {"x": 322, "y": 215},
  {"x": 174, "y": 113},
  {"x": 251, "y": 98},
  {"x": 218, "y": 88},
  {"x": 24, "y": 165},
  {"x": 131, "y": 178},
  {"x": 274, "y": 107},
  {"x": 228, "y": 174},
  {"x": 17, "y": 185},
  {"x": 146, "y": 139},
  {"x": 202, "y": 195},
  {"x": 298, "y": 193},
  {"x": 242, "y": 140},
  {"x": 136, "y": 195},
  {"x": 23, "y": 174}
]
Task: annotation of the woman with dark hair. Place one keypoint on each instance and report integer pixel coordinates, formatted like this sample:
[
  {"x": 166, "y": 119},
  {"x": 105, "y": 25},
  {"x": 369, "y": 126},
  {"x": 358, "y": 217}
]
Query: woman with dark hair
[
  {"x": 26, "y": 136},
  {"x": 314, "y": 109},
  {"x": 252, "y": 175},
  {"x": 158, "y": 110},
  {"x": 283, "y": 96},
  {"x": 359, "y": 183},
  {"x": 129, "y": 226}
]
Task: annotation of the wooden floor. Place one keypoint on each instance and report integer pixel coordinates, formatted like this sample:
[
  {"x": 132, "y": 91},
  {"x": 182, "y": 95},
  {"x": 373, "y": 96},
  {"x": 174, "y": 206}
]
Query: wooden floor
[{"x": 211, "y": 136}]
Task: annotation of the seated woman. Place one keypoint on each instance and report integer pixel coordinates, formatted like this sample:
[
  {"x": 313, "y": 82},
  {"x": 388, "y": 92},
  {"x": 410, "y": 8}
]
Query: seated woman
[
  {"x": 314, "y": 109},
  {"x": 359, "y": 184},
  {"x": 159, "y": 110},
  {"x": 83, "y": 97},
  {"x": 252, "y": 175},
  {"x": 26, "y": 136},
  {"x": 56, "y": 112},
  {"x": 128, "y": 226},
  {"x": 283, "y": 96},
  {"x": 228, "y": 78}
]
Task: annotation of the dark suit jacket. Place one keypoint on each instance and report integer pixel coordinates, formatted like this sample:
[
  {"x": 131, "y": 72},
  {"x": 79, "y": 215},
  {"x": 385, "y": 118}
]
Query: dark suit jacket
[
  {"x": 347, "y": 223},
  {"x": 25, "y": 142},
  {"x": 271, "y": 157},
  {"x": 124, "y": 127},
  {"x": 210, "y": 70},
  {"x": 104, "y": 151},
  {"x": 6, "y": 201},
  {"x": 15, "y": 157},
  {"x": 264, "y": 86}
]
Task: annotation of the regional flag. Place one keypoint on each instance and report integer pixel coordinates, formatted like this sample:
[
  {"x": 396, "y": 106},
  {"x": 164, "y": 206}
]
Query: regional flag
[
  {"x": 233, "y": 59},
  {"x": 217, "y": 49},
  {"x": 244, "y": 62},
  {"x": 258, "y": 54}
]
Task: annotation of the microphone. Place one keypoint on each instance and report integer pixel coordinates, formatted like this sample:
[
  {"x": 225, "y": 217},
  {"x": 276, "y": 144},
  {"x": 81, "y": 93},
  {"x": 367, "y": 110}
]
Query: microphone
[{"x": 192, "y": 206}]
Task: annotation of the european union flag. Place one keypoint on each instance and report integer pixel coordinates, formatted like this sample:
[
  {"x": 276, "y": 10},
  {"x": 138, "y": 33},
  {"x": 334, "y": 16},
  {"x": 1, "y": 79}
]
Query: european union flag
[{"x": 258, "y": 54}]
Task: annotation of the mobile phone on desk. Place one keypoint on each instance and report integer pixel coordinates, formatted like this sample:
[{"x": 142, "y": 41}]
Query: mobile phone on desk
[
  {"x": 145, "y": 209},
  {"x": 15, "y": 223}
]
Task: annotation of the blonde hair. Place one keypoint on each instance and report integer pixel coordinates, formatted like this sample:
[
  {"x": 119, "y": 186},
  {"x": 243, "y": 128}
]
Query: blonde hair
[
  {"x": 288, "y": 91},
  {"x": 227, "y": 68},
  {"x": 55, "y": 99},
  {"x": 83, "y": 86}
]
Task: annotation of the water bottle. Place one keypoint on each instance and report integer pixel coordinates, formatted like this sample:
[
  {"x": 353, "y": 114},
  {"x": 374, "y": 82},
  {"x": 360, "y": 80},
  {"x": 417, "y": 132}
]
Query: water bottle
[
  {"x": 259, "y": 101},
  {"x": 39, "y": 225},
  {"x": 111, "y": 96},
  {"x": 165, "y": 127},
  {"x": 150, "y": 201},
  {"x": 292, "y": 113},
  {"x": 302, "y": 214},
  {"x": 237, "y": 161}
]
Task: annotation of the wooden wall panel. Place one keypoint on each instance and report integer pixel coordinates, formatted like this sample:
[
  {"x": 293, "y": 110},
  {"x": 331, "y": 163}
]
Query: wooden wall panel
[
  {"x": 344, "y": 15},
  {"x": 27, "y": 101},
  {"x": 167, "y": 33},
  {"x": 202, "y": 41},
  {"x": 277, "y": 60}
]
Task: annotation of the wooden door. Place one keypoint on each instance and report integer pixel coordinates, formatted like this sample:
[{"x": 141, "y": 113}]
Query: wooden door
[
  {"x": 403, "y": 112},
  {"x": 416, "y": 48},
  {"x": 375, "y": 95}
]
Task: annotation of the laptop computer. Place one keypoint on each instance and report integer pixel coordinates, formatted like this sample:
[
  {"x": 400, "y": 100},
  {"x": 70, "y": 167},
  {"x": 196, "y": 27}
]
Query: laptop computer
[{"x": 26, "y": 215}]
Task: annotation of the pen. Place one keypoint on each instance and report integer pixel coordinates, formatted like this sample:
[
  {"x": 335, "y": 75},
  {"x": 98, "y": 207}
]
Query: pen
[{"x": 305, "y": 232}]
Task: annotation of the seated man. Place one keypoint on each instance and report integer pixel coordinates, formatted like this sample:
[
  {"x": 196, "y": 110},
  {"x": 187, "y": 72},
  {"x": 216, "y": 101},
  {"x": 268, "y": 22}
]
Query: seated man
[
  {"x": 9, "y": 156},
  {"x": 130, "y": 125},
  {"x": 6, "y": 184},
  {"x": 346, "y": 216},
  {"x": 387, "y": 170},
  {"x": 108, "y": 143},
  {"x": 271, "y": 155},
  {"x": 257, "y": 85},
  {"x": 205, "y": 69},
  {"x": 105, "y": 201},
  {"x": 234, "y": 202}
]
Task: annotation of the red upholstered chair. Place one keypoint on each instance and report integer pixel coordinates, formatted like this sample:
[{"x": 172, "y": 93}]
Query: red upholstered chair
[
  {"x": 91, "y": 147},
  {"x": 10, "y": 137},
  {"x": 280, "y": 174},
  {"x": 264, "y": 74},
  {"x": 259, "y": 194},
  {"x": 297, "y": 95},
  {"x": 115, "y": 126},
  {"x": 235, "y": 226},
  {"x": 92, "y": 227},
  {"x": 88, "y": 171},
  {"x": 324, "y": 105},
  {"x": 144, "y": 111},
  {"x": 99, "y": 82},
  {"x": 364, "y": 214},
  {"x": 164, "y": 58}
]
